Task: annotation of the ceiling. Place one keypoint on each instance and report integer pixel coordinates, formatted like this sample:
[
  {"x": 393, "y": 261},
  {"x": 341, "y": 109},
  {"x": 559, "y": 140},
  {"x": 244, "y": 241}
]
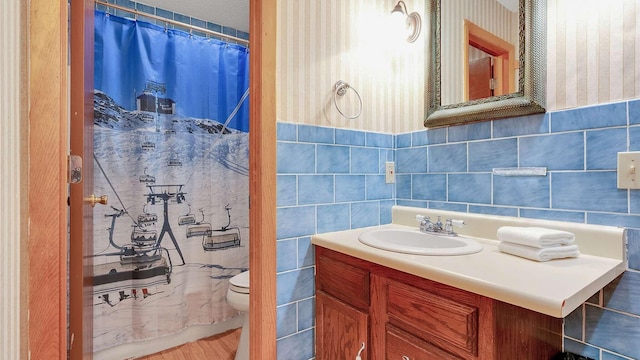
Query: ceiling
[
  {"x": 232, "y": 13},
  {"x": 511, "y": 5}
]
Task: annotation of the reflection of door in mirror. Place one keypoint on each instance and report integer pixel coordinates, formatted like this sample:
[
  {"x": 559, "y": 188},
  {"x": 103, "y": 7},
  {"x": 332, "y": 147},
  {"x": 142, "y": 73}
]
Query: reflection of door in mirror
[
  {"x": 490, "y": 64},
  {"x": 480, "y": 79},
  {"x": 465, "y": 22}
]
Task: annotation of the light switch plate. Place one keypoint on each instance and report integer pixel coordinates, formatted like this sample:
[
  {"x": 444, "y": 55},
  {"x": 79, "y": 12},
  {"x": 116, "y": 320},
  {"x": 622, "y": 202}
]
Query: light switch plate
[
  {"x": 390, "y": 172},
  {"x": 629, "y": 170}
]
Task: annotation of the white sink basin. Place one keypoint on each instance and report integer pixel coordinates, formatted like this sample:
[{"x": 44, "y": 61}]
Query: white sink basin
[{"x": 418, "y": 243}]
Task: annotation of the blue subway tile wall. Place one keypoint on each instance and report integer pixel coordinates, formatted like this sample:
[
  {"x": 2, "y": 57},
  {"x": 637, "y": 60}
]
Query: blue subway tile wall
[
  {"x": 429, "y": 137},
  {"x": 474, "y": 131},
  {"x": 600, "y": 116},
  {"x": 603, "y": 147},
  {"x": 429, "y": 187},
  {"x": 333, "y": 217},
  {"x": 612, "y": 330},
  {"x": 349, "y": 137},
  {"x": 333, "y": 179},
  {"x": 634, "y": 112},
  {"x": 556, "y": 152},
  {"x": 521, "y": 191},
  {"x": 350, "y": 188},
  {"x": 579, "y": 149},
  {"x": 596, "y": 191},
  {"x": 448, "y": 158},
  {"x": 486, "y": 155},
  {"x": 365, "y": 160},
  {"x": 633, "y": 248},
  {"x": 328, "y": 180},
  {"x": 300, "y": 345},
  {"x": 518, "y": 126},
  {"x": 300, "y": 158},
  {"x": 411, "y": 160},
  {"x": 470, "y": 188},
  {"x": 315, "y": 134}
]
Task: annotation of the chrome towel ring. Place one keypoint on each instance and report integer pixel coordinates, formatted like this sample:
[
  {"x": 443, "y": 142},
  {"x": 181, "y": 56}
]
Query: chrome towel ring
[{"x": 340, "y": 89}]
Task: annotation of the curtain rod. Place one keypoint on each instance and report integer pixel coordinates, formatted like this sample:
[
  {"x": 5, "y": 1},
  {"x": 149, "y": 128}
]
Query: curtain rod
[{"x": 173, "y": 22}]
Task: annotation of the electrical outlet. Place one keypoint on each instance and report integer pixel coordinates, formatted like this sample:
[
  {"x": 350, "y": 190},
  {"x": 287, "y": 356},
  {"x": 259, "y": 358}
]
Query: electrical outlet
[
  {"x": 390, "y": 172},
  {"x": 629, "y": 170}
]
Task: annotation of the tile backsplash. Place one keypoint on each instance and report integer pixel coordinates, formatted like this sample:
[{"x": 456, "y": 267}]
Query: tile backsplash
[
  {"x": 333, "y": 179},
  {"x": 328, "y": 180}
]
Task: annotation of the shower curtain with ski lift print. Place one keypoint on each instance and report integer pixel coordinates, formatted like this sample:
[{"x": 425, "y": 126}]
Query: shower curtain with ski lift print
[{"x": 171, "y": 149}]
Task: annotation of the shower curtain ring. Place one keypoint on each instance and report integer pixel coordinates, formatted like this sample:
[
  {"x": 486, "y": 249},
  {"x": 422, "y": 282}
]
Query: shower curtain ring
[{"x": 340, "y": 89}]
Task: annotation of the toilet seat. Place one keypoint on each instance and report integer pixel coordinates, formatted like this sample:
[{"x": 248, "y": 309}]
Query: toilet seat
[
  {"x": 240, "y": 283},
  {"x": 238, "y": 298}
]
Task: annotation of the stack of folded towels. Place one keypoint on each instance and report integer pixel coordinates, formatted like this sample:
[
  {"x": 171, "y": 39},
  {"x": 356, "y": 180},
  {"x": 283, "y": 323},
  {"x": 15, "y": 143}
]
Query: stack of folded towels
[{"x": 537, "y": 243}]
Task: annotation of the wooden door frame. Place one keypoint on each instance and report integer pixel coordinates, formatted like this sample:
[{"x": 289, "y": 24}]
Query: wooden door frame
[
  {"x": 47, "y": 123},
  {"x": 81, "y": 60},
  {"x": 503, "y": 52},
  {"x": 46, "y": 63},
  {"x": 262, "y": 179}
]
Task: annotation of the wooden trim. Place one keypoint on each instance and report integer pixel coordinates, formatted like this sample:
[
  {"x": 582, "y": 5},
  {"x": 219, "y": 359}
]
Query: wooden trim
[
  {"x": 503, "y": 51},
  {"x": 80, "y": 212},
  {"x": 262, "y": 180},
  {"x": 465, "y": 63},
  {"x": 47, "y": 190},
  {"x": 24, "y": 182}
]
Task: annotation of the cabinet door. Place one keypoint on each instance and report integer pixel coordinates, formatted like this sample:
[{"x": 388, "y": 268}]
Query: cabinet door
[
  {"x": 402, "y": 346},
  {"x": 340, "y": 329}
]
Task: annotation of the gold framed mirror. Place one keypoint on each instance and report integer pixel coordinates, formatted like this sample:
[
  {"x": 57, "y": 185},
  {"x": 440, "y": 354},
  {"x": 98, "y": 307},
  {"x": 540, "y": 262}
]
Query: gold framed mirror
[{"x": 523, "y": 70}]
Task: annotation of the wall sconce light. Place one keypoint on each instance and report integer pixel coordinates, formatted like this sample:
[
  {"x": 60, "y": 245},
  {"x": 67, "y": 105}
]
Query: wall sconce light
[{"x": 413, "y": 21}]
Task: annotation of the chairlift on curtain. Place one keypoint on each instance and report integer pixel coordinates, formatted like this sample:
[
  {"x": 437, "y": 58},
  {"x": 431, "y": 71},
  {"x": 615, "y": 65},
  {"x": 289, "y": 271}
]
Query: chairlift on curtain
[
  {"x": 200, "y": 228},
  {"x": 148, "y": 145},
  {"x": 224, "y": 238},
  {"x": 138, "y": 268},
  {"x": 221, "y": 239},
  {"x": 146, "y": 178},
  {"x": 142, "y": 237},
  {"x": 147, "y": 118},
  {"x": 139, "y": 254},
  {"x": 146, "y": 219},
  {"x": 174, "y": 161},
  {"x": 187, "y": 219}
]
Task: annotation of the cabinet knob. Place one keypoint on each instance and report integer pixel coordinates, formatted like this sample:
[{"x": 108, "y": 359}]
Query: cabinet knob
[{"x": 405, "y": 357}]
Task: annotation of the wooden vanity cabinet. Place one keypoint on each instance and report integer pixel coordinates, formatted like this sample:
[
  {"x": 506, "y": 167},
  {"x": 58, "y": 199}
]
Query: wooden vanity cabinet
[
  {"x": 342, "y": 309},
  {"x": 405, "y": 317}
]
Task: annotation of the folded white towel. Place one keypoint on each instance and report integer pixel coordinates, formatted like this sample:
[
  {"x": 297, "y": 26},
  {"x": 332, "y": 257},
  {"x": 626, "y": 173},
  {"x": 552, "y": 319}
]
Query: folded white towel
[
  {"x": 539, "y": 254},
  {"x": 535, "y": 236}
]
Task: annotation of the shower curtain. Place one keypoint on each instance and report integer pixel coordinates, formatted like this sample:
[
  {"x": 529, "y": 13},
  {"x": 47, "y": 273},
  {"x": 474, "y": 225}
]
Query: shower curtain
[{"x": 171, "y": 152}]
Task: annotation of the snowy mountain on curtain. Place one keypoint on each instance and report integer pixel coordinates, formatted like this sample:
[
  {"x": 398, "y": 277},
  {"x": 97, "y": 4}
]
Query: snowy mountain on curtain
[
  {"x": 212, "y": 167},
  {"x": 108, "y": 114}
]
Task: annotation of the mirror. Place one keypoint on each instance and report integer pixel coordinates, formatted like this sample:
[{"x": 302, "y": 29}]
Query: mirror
[{"x": 519, "y": 75}]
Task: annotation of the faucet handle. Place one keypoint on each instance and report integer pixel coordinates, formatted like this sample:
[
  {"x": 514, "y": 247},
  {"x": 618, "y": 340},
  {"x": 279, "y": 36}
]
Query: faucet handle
[
  {"x": 457, "y": 223},
  {"x": 421, "y": 218}
]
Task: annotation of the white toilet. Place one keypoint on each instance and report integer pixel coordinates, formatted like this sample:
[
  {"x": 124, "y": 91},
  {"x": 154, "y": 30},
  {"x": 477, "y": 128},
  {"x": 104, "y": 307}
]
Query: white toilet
[{"x": 238, "y": 298}]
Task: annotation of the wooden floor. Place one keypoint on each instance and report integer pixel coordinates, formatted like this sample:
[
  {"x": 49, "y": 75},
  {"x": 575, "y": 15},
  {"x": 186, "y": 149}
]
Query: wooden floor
[{"x": 219, "y": 347}]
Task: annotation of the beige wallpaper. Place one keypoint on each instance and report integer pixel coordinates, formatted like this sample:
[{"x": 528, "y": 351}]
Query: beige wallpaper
[
  {"x": 321, "y": 42},
  {"x": 10, "y": 113},
  {"x": 489, "y": 15},
  {"x": 592, "y": 50}
]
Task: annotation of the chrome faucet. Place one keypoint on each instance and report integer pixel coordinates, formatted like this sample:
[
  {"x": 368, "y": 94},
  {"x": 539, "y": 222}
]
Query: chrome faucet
[{"x": 446, "y": 229}]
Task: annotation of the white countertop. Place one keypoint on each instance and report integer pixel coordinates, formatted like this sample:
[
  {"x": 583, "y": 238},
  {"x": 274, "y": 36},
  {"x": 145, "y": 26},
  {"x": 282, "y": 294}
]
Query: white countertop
[{"x": 555, "y": 288}]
